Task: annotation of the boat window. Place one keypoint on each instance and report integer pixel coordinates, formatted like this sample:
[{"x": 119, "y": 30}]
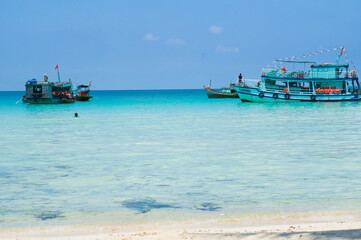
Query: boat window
[
  {"x": 283, "y": 84},
  {"x": 37, "y": 89},
  {"x": 293, "y": 84},
  {"x": 270, "y": 82},
  {"x": 305, "y": 84},
  {"x": 350, "y": 86}
]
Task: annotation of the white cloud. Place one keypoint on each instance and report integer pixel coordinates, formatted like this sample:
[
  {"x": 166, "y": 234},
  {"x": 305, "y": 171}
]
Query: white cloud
[
  {"x": 227, "y": 49},
  {"x": 150, "y": 37},
  {"x": 175, "y": 41},
  {"x": 215, "y": 29}
]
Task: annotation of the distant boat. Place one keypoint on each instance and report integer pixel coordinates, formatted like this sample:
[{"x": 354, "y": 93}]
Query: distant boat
[
  {"x": 82, "y": 93},
  {"x": 44, "y": 92},
  {"x": 229, "y": 92}
]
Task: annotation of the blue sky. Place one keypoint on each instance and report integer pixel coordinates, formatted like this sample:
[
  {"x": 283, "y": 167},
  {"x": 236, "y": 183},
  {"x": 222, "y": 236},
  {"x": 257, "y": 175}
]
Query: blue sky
[{"x": 158, "y": 44}]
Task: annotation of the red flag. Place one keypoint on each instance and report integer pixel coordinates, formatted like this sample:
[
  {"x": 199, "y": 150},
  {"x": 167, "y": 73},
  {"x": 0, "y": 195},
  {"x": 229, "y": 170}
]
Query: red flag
[
  {"x": 56, "y": 67},
  {"x": 341, "y": 51}
]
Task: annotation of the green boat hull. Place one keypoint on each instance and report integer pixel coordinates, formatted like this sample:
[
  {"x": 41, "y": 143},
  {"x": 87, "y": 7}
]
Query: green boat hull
[{"x": 83, "y": 98}]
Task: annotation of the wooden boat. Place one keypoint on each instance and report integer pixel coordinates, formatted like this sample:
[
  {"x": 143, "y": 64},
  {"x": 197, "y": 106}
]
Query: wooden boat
[
  {"x": 324, "y": 82},
  {"x": 82, "y": 93},
  {"x": 224, "y": 93},
  {"x": 44, "y": 92}
]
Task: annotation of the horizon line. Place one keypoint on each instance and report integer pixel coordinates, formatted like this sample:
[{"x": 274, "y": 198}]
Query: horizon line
[{"x": 155, "y": 89}]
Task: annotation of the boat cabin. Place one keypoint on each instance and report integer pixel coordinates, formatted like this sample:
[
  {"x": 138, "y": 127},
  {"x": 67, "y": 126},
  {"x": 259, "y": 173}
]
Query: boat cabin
[
  {"x": 329, "y": 71},
  {"x": 83, "y": 90}
]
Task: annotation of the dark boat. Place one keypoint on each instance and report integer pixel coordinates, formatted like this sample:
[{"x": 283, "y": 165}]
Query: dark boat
[
  {"x": 44, "y": 92},
  {"x": 83, "y": 93},
  {"x": 224, "y": 93}
]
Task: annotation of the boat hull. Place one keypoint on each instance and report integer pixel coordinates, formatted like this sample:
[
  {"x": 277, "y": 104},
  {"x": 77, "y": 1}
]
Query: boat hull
[
  {"x": 211, "y": 93},
  {"x": 83, "y": 98},
  {"x": 48, "y": 100},
  {"x": 253, "y": 94}
]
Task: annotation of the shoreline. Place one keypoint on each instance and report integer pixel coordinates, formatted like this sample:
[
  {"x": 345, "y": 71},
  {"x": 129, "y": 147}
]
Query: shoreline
[{"x": 286, "y": 225}]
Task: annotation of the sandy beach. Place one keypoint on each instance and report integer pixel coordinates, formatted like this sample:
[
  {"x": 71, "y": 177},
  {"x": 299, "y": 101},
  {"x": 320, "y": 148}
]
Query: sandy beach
[{"x": 311, "y": 225}]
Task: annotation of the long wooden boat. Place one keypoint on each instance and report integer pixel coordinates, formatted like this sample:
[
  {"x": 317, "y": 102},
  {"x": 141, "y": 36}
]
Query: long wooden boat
[
  {"x": 324, "y": 82},
  {"x": 224, "y": 93}
]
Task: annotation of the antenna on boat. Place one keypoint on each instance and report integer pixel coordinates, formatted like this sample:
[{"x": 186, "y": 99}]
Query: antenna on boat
[
  {"x": 57, "y": 68},
  {"x": 338, "y": 57},
  {"x": 210, "y": 81}
]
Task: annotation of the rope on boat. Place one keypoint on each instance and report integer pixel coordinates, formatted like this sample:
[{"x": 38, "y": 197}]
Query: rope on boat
[
  {"x": 19, "y": 100},
  {"x": 348, "y": 59}
]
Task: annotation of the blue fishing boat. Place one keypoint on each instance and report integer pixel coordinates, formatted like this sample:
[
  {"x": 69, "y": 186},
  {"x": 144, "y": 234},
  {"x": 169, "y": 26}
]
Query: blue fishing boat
[{"x": 325, "y": 82}]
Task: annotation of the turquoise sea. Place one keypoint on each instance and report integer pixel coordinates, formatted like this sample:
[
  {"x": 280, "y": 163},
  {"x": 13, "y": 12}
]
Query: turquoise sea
[{"x": 163, "y": 153}]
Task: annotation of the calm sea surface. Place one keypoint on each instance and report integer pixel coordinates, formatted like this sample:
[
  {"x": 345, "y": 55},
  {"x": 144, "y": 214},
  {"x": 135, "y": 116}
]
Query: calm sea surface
[{"x": 137, "y": 153}]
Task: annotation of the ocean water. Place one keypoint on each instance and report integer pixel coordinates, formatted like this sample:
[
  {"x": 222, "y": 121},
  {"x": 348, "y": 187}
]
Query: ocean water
[{"x": 131, "y": 154}]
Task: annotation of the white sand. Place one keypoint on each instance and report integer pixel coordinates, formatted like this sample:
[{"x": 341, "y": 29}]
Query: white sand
[{"x": 312, "y": 225}]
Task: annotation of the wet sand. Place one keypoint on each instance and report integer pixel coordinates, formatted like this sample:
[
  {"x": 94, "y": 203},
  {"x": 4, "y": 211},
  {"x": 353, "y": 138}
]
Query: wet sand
[{"x": 311, "y": 225}]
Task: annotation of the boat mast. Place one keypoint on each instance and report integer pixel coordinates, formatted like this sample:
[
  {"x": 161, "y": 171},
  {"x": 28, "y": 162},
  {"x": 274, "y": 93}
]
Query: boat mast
[
  {"x": 57, "y": 68},
  {"x": 58, "y": 76}
]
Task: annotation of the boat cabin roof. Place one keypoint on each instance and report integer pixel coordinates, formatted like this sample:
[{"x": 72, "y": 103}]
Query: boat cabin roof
[
  {"x": 82, "y": 86},
  {"x": 52, "y": 84},
  {"x": 329, "y": 65}
]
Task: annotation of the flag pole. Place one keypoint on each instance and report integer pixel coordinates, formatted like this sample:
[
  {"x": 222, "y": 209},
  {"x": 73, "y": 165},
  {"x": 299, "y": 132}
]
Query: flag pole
[
  {"x": 58, "y": 74},
  {"x": 339, "y": 55}
]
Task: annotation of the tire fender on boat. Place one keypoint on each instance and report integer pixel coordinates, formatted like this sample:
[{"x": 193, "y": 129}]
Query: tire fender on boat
[
  {"x": 313, "y": 97},
  {"x": 261, "y": 95},
  {"x": 275, "y": 96},
  {"x": 287, "y": 96}
]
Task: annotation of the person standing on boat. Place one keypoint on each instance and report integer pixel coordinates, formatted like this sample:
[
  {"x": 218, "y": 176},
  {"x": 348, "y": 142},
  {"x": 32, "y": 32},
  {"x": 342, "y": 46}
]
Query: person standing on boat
[{"x": 240, "y": 80}]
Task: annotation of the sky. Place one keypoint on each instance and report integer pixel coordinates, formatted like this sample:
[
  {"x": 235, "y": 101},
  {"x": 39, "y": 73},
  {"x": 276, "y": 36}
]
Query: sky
[{"x": 155, "y": 44}]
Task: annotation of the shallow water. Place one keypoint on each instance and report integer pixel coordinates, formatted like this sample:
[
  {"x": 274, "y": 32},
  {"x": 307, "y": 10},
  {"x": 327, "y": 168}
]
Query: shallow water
[{"x": 133, "y": 153}]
